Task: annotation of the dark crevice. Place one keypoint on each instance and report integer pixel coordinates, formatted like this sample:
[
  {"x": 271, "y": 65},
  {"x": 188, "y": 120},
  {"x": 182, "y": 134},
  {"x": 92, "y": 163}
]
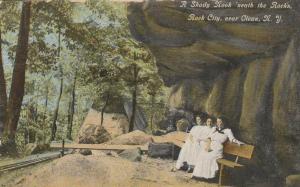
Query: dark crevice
[
  {"x": 236, "y": 119},
  {"x": 264, "y": 125}
]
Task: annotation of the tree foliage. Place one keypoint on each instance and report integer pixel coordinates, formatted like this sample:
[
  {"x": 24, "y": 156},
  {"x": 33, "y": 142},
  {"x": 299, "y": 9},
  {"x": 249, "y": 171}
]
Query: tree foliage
[{"x": 82, "y": 54}]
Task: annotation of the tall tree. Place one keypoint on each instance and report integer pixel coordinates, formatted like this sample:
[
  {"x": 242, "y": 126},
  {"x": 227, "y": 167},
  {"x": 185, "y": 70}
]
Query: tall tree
[
  {"x": 45, "y": 112},
  {"x": 136, "y": 71},
  {"x": 104, "y": 106},
  {"x": 3, "y": 96},
  {"x": 56, "y": 110},
  {"x": 154, "y": 86},
  {"x": 18, "y": 77},
  {"x": 72, "y": 108},
  {"x": 55, "y": 116}
]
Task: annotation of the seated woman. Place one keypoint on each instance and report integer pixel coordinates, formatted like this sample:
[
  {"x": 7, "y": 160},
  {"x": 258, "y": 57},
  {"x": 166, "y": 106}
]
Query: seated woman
[
  {"x": 206, "y": 165},
  {"x": 190, "y": 150}
]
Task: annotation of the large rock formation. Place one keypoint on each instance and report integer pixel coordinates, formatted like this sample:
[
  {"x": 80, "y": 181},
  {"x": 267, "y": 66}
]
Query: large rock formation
[
  {"x": 92, "y": 131},
  {"x": 248, "y": 72}
]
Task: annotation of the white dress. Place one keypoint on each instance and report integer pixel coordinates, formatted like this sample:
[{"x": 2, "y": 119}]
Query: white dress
[
  {"x": 191, "y": 148},
  {"x": 206, "y": 165}
]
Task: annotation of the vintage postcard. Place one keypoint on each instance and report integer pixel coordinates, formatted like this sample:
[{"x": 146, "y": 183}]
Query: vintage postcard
[{"x": 149, "y": 93}]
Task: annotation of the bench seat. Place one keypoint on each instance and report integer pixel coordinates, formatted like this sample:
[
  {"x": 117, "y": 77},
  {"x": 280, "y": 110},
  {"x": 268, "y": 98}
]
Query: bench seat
[{"x": 229, "y": 163}]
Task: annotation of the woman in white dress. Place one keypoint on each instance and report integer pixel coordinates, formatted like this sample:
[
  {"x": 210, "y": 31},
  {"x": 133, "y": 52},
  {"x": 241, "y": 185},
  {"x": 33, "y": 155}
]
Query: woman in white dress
[
  {"x": 206, "y": 165},
  {"x": 190, "y": 150}
]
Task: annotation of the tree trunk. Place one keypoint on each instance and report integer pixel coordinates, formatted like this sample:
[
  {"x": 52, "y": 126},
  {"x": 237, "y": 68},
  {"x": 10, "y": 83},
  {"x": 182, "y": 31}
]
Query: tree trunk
[
  {"x": 3, "y": 96},
  {"x": 72, "y": 108},
  {"x": 69, "y": 114},
  {"x": 55, "y": 116},
  {"x": 152, "y": 111},
  {"x": 104, "y": 107},
  {"x": 46, "y": 104},
  {"x": 54, "y": 126},
  {"x": 45, "y": 113},
  {"x": 33, "y": 116},
  {"x": 18, "y": 77},
  {"x": 132, "y": 119},
  {"x": 134, "y": 97},
  {"x": 31, "y": 120},
  {"x": 26, "y": 136}
]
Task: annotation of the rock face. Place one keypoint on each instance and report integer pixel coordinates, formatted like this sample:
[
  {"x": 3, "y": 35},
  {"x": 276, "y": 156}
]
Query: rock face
[
  {"x": 248, "y": 72},
  {"x": 92, "y": 131}
]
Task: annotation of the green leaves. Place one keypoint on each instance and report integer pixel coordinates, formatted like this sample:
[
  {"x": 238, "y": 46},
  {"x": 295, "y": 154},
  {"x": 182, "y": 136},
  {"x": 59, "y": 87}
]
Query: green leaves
[
  {"x": 9, "y": 16},
  {"x": 99, "y": 50}
]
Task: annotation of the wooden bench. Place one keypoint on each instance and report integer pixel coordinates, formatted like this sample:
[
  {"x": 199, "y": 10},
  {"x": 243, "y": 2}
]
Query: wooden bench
[
  {"x": 98, "y": 146},
  {"x": 243, "y": 151},
  {"x": 64, "y": 146}
]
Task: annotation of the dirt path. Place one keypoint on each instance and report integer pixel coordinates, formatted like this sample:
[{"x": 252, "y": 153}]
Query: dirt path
[{"x": 101, "y": 170}]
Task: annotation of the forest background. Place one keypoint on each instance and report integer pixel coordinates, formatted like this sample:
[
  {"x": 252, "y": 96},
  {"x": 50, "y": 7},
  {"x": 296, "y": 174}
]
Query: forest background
[{"x": 59, "y": 59}]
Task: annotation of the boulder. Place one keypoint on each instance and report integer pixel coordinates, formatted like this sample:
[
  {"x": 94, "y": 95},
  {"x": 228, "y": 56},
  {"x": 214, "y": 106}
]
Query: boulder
[
  {"x": 85, "y": 152},
  {"x": 182, "y": 125},
  {"x": 134, "y": 155},
  {"x": 115, "y": 124},
  {"x": 93, "y": 134},
  {"x": 163, "y": 150},
  {"x": 133, "y": 138},
  {"x": 292, "y": 181}
]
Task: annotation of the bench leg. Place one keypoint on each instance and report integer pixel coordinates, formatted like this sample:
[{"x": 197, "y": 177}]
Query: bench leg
[
  {"x": 220, "y": 175},
  {"x": 63, "y": 148}
]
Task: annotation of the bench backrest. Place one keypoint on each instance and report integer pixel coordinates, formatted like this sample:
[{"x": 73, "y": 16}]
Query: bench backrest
[{"x": 244, "y": 151}]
